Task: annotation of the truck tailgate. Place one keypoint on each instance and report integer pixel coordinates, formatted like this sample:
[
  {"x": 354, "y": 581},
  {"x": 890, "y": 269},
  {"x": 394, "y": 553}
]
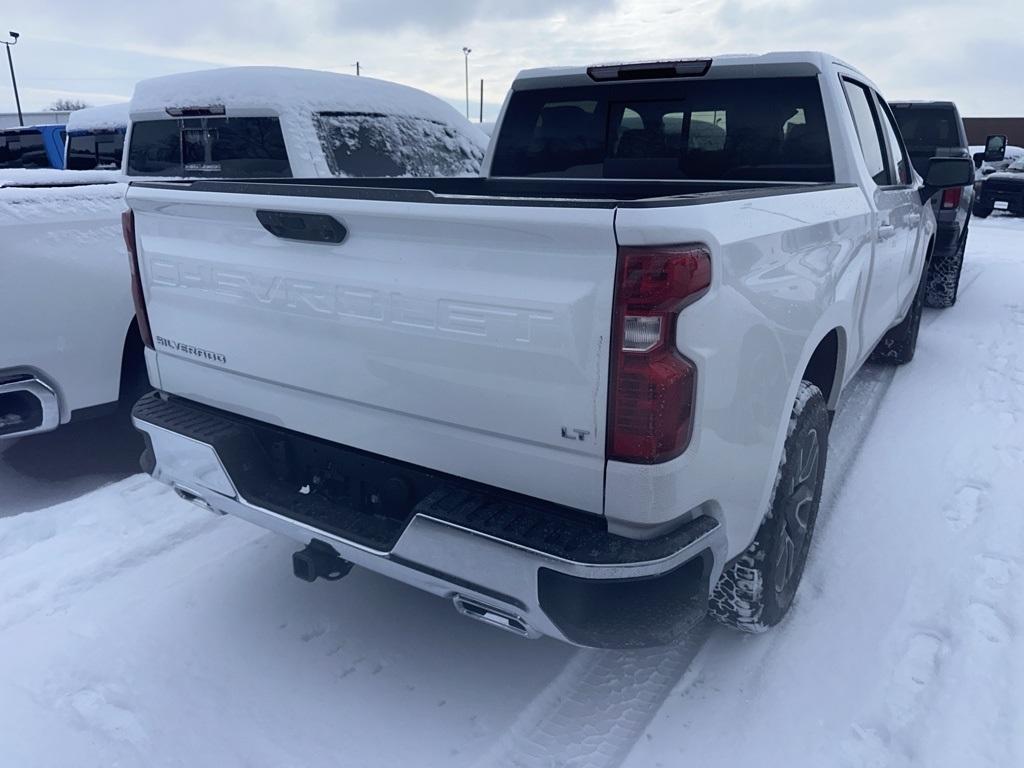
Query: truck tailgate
[{"x": 470, "y": 339}]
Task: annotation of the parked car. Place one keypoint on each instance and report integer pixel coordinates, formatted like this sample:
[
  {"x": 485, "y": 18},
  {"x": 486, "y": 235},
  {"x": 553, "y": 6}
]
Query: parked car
[
  {"x": 63, "y": 247},
  {"x": 1012, "y": 153},
  {"x": 96, "y": 138},
  {"x": 1002, "y": 191},
  {"x": 37, "y": 146},
  {"x": 417, "y": 376},
  {"x": 935, "y": 129}
]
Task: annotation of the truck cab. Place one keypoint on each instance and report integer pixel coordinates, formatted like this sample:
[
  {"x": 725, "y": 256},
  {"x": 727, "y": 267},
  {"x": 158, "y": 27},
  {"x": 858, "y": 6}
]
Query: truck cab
[{"x": 95, "y": 138}]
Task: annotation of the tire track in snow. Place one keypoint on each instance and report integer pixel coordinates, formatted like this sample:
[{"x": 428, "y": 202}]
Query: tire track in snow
[{"x": 602, "y": 702}]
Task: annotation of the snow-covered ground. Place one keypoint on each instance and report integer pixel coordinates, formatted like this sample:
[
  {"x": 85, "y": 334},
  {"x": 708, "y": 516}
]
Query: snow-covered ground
[{"x": 137, "y": 630}]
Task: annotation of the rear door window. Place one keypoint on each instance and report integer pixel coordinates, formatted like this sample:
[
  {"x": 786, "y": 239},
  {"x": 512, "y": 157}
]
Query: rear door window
[
  {"x": 363, "y": 144},
  {"x": 767, "y": 129},
  {"x": 210, "y": 147},
  {"x": 899, "y": 165},
  {"x": 95, "y": 151},
  {"x": 23, "y": 150},
  {"x": 868, "y": 131}
]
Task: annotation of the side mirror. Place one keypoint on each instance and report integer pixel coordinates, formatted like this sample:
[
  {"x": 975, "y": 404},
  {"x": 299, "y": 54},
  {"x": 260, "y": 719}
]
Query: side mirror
[
  {"x": 979, "y": 160},
  {"x": 946, "y": 172},
  {"x": 995, "y": 149}
]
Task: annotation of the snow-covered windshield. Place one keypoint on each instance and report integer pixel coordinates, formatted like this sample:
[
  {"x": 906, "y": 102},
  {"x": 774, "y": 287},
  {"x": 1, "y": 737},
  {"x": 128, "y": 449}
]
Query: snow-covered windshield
[
  {"x": 220, "y": 147},
  {"x": 368, "y": 144}
]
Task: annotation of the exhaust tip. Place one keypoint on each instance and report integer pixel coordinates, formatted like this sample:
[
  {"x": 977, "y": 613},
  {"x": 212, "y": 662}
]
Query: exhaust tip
[
  {"x": 494, "y": 617},
  {"x": 187, "y": 494},
  {"x": 28, "y": 406}
]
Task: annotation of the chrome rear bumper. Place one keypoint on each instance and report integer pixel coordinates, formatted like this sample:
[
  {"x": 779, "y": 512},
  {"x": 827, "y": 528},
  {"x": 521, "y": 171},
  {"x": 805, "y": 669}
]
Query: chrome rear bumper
[{"x": 587, "y": 600}]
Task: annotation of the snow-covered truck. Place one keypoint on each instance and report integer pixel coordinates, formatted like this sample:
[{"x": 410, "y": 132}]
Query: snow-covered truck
[
  {"x": 586, "y": 395},
  {"x": 95, "y": 138},
  {"x": 71, "y": 347}
]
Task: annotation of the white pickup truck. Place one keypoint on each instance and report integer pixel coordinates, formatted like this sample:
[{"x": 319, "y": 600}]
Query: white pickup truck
[
  {"x": 71, "y": 348},
  {"x": 587, "y": 395}
]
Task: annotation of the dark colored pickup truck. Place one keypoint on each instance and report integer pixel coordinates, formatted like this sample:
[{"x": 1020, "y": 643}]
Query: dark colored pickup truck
[
  {"x": 934, "y": 129},
  {"x": 1002, "y": 191}
]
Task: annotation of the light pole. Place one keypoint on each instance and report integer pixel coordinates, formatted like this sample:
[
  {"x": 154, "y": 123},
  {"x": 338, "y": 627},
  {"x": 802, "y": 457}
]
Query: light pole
[
  {"x": 466, "y": 52},
  {"x": 14, "y": 81}
]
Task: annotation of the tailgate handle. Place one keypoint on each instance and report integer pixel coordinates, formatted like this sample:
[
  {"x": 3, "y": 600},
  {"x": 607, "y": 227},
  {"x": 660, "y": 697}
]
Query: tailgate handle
[{"x": 307, "y": 227}]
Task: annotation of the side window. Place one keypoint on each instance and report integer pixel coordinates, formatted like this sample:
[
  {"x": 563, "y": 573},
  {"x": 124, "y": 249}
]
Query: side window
[
  {"x": 867, "y": 131},
  {"x": 901, "y": 173}
]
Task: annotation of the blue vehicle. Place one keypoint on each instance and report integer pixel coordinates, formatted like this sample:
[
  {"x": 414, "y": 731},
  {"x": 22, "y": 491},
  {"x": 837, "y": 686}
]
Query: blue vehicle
[{"x": 36, "y": 146}]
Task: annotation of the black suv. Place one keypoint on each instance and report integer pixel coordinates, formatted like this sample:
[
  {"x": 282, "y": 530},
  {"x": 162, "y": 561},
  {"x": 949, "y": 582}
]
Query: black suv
[{"x": 934, "y": 129}]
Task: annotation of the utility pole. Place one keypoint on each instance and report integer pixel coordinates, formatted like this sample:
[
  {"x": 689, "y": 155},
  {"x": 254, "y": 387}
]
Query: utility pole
[
  {"x": 359, "y": 69},
  {"x": 481, "y": 99},
  {"x": 14, "y": 81},
  {"x": 466, "y": 52}
]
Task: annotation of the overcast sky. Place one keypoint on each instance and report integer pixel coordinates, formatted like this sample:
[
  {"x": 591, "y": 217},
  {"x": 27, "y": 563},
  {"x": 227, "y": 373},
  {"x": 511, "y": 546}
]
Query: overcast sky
[{"x": 96, "y": 50}]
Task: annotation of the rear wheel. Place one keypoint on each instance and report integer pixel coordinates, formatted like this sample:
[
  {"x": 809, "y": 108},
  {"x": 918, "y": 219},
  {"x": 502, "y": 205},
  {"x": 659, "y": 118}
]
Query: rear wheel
[
  {"x": 756, "y": 591},
  {"x": 944, "y": 277},
  {"x": 897, "y": 347}
]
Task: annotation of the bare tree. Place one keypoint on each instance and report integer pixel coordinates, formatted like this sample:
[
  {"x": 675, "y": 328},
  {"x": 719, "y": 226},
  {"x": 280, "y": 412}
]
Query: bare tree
[{"x": 67, "y": 105}]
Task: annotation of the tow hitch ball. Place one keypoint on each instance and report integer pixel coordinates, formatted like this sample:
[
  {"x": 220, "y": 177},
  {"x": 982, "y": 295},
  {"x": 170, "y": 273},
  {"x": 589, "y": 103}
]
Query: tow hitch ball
[{"x": 319, "y": 561}]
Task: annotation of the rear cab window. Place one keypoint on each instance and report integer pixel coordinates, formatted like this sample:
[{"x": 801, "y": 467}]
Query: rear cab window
[
  {"x": 929, "y": 131},
  {"x": 95, "y": 150},
  {"x": 754, "y": 129},
  {"x": 368, "y": 144},
  {"x": 209, "y": 147},
  {"x": 23, "y": 149}
]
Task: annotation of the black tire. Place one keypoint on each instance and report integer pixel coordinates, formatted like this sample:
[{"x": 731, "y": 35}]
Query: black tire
[
  {"x": 897, "y": 347},
  {"x": 756, "y": 591},
  {"x": 944, "y": 277},
  {"x": 982, "y": 213}
]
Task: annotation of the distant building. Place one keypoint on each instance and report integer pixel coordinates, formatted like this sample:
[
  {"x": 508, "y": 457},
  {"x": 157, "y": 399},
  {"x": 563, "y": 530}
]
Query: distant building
[
  {"x": 10, "y": 119},
  {"x": 980, "y": 128}
]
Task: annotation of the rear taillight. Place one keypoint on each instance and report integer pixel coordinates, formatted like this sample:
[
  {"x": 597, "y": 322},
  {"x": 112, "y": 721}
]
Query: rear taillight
[
  {"x": 951, "y": 197},
  {"x": 653, "y": 387},
  {"x": 128, "y": 229}
]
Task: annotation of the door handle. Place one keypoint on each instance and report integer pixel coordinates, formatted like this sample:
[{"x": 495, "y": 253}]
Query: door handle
[
  {"x": 885, "y": 231},
  {"x": 914, "y": 219}
]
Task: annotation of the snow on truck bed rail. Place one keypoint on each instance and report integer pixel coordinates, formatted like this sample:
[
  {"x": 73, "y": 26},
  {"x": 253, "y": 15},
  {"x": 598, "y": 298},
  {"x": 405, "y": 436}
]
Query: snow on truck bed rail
[{"x": 51, "y": 177}]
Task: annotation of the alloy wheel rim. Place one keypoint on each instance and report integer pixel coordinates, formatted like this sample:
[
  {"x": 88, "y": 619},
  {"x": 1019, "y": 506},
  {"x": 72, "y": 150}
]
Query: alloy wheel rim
[{"x": 797, "y": 507}]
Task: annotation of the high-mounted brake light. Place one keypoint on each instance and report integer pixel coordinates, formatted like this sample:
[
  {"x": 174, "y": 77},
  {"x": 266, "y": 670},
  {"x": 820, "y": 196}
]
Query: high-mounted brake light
[
  {"x": 141, "y": 315},
  {"x": 951, "y": 197},
  {"x": 650, "y": 70},
  {"x": 653, "y": 387},
  {"x": 209, "y": 111}
]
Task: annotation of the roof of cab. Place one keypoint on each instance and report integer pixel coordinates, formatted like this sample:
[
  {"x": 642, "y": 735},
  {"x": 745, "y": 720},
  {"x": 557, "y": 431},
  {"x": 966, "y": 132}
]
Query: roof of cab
[
  {"x": 109, "y": 116},
  {"x": 284, "y": 90},
  {"x": 728, "y": 65}
]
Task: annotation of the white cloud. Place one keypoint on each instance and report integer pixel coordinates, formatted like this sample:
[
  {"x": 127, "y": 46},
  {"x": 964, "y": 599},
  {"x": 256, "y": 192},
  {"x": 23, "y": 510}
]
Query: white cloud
[{"x": 914, "y": 48}]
